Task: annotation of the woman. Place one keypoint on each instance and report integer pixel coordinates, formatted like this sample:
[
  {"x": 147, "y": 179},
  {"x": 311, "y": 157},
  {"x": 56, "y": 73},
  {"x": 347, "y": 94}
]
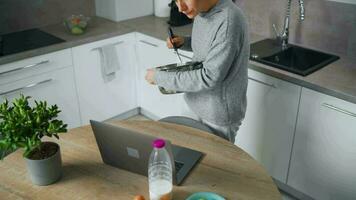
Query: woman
[{"x": 217, "y": 92}]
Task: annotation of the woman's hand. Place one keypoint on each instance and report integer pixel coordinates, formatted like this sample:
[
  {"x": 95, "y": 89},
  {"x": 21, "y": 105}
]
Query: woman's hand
[
  {"x": 177, "y": 40},
  {"x": 150, "y": 76}
]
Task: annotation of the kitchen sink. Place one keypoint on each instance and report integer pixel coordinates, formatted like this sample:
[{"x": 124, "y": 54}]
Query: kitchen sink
[{"x": 294, "y": 59}]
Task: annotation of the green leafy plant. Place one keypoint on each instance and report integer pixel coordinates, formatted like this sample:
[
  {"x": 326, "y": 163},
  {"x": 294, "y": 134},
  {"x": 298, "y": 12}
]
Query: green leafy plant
[{"x": 23, "y": 126}]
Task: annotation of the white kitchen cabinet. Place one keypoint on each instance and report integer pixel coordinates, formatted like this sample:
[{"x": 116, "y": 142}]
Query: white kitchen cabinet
[
  {"x": 267, "y": 131},
  {"x": 323, "y": 163},
  {"x": 36, "y": 65},
  {"x": 101, "y": 100},
  {"x": 186, "y": 56},
  {"x": 55, "y": 87},
  {"x": 151, "y": 53}
]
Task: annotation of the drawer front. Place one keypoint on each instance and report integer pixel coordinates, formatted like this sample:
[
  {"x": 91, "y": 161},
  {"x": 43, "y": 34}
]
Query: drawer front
[
  {"x": 55, "y": 87},
  {"x": 152, "y": 42},
  {"x": 33, "y": 66},
  {"x": 149, "y": 41},
  {"x": 116, "y": 41}
]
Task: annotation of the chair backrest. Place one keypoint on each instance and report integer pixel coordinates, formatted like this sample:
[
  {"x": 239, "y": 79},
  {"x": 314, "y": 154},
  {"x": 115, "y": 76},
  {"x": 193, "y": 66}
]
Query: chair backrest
[{"x": 186, "y": 121}]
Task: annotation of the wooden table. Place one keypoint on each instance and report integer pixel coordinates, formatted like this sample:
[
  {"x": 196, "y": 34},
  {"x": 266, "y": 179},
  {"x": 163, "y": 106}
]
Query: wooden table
[{"x": 225, "y": 169}]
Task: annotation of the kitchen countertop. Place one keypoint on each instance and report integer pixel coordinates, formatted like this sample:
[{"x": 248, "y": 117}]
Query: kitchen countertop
[{"x": 337, "y": 79}]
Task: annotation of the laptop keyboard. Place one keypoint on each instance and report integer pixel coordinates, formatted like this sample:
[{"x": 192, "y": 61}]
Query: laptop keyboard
[{"x": 178, "y": 166}]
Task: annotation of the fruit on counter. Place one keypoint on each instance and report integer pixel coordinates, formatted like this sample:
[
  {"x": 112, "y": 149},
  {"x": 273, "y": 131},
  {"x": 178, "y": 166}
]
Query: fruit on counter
[
  {"x": 77, "y": 30},
  {"x": 139, "y": 197},
  {"x": 75, "y": 21},
  {"x": 77, "y": 24}
]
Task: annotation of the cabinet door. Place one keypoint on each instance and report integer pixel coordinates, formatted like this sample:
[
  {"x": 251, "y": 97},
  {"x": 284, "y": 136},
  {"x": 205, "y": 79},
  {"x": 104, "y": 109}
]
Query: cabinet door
[
  {"x": 154, "y": 53},
  {"x": 56, "y": 87},
  {"x": 268, "y": 128},
  {"x": 101, "y": 100},
  {"x": 323, "y": 162}
]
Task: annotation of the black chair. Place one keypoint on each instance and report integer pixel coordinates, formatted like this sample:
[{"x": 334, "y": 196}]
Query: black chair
[{"x": 186, "y": 121}]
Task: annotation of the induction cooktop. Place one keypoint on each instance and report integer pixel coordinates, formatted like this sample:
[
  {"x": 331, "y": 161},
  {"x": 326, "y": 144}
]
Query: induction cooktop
[{"x": 25, "y": 40}]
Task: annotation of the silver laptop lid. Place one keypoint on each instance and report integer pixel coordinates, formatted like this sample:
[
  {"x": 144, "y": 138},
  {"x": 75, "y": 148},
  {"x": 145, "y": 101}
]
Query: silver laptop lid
[{"x": 124, "y": 148}]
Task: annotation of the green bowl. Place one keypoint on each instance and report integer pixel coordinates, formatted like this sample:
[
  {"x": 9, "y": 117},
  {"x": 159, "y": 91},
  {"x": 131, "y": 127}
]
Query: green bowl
[
  {"x": 205, "y": 196},
  {"x": 76, "y": 24}
]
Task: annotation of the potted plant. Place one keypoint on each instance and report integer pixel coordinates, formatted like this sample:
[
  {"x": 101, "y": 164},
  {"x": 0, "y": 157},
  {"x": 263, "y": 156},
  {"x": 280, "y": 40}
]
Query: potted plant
[{"x": 23, "y": 126}]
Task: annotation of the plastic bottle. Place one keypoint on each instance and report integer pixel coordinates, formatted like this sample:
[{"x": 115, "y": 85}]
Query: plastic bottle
[{"x": 160, "y": 172}]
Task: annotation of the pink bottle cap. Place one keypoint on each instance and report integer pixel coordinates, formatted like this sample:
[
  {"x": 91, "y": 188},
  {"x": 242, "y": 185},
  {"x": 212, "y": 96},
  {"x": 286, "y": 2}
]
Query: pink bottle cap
[{"x": 158, "y": 143}]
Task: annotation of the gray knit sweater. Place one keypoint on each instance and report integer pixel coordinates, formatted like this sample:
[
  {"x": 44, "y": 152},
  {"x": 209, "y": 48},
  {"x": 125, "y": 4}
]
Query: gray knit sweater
[{"x": 217, "y": 92}]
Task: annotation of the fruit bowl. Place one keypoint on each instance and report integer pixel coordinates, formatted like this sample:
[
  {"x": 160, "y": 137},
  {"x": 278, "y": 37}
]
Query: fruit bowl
[
  {"x": 76, "y": 24},
  {"x": 205, "y": 196}
]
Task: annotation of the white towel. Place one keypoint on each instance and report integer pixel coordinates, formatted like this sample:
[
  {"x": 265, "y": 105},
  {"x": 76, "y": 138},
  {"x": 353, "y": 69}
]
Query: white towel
[{"x": 109, "y": 62}]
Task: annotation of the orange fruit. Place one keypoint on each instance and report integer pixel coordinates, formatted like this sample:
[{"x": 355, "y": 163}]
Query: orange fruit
[{"x": 139, "y": 197}]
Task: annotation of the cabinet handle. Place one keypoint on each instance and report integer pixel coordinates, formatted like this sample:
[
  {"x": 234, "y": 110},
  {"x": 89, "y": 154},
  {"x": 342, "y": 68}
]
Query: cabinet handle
[
  {"x": 263, "y": 83},
  {"x": 25, "y": 67},
  {"x": 339, "y": 110},
  {"x": 32, "y": 85},
  {"x": 114, "y": 44},
  {"x": 184, "y": 56},
  {"x": 149, "y": 43}
]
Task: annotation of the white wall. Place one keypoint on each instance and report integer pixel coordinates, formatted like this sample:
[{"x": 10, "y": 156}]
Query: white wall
[{"x": 118, "y": 10}]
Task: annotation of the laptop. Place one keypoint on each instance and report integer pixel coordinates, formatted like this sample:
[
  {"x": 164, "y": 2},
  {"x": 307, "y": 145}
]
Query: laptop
[{"x": 130, "y": 150}]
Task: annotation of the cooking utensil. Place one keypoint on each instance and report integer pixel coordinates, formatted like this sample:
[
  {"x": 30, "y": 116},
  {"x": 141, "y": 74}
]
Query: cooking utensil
[
  {"x": 171, "y": 36},
  {"x": 189, "y": 66}
]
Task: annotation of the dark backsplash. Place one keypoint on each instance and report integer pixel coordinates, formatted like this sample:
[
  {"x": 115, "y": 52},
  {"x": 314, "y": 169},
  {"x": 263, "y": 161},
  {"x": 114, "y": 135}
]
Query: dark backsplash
[
  {"x": 328, "y": 26},
  {"x": 17, "y": 15}
]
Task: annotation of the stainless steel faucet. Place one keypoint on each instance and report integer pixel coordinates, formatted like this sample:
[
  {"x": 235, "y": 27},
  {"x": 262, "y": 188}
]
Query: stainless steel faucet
[{"x": 283, "y": 36}]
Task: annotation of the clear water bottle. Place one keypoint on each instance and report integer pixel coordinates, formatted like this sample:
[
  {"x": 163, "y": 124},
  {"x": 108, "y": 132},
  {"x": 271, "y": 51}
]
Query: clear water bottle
[{"x": 160, "y": 172}]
